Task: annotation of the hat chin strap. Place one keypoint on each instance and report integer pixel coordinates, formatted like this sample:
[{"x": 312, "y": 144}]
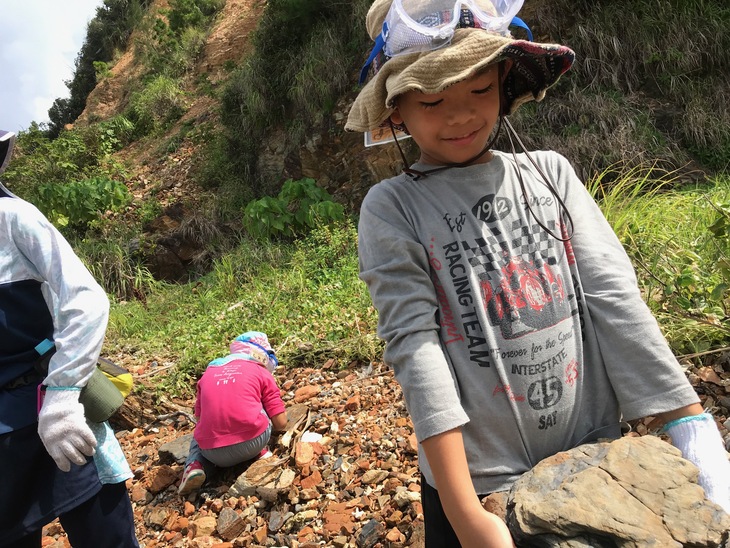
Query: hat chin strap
[
  {"x": 512, "y": 136},
  {"x": 416, "y": 174}
]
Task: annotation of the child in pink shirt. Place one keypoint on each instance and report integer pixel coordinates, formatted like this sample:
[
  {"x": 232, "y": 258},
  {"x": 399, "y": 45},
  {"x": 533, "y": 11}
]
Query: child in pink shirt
[{"x": 238, "y": 404}]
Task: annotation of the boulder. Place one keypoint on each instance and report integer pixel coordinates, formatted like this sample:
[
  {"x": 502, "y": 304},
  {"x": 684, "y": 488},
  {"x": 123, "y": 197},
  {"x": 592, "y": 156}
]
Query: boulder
[{"x": 630, "y": 492}]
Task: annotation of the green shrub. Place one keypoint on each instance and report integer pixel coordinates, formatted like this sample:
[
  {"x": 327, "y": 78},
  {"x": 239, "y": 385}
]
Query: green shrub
[
  {"x": 161, "y": 102},
  {"x": 299, "y": 207},
  {"x": 75, "y": 155},
  {"x": 79, "y": 203},
  {"x": 668, "y": 59},
  {"x": 102, "y": 70},
  {"x": 679, "y": 241},
  {"x": 306, "y": 53},
  {"x": 110, "y": 260},
  {"x": 191, "y": 13},
  {"x": 170, "y": 47}
]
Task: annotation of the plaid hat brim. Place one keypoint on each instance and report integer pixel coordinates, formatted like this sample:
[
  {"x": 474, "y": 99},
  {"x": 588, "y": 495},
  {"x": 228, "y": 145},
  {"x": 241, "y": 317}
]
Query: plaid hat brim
[{"x": 535, "y": 68}]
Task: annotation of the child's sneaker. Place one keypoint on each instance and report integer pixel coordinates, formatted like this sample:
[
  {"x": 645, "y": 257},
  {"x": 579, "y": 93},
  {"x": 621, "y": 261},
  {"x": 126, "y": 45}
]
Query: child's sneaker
[
  {"x": 265, "y": 453},
  {"x": 193, "y": 478}
]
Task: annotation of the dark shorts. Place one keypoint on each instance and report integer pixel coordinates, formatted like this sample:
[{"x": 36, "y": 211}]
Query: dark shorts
[
  {"x": 34, "y": 491},
  {"x": 438, "y": 530},
  {"x": 105, "y": 520}
]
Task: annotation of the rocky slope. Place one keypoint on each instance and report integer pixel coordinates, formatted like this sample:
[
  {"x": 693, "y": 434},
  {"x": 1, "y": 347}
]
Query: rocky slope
[{"x": 344, "y": 474}]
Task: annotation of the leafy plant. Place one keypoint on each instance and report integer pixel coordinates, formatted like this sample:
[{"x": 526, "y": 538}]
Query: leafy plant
[
  {"x": 169, "y": 46},
  {"x": 305, "y": 55},
  {"x": 111, "y": 263},
  {"x": 76, "y": 154},
  {"x": 79, "y": 203},
  {"x": 101, "y": 68},
  {"x": 300, "y": 206},
  {"x": 191, "y": 13}
]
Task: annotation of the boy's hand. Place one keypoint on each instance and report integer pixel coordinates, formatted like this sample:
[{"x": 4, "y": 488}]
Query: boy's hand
[
  {"x": 475, "y": 526},
  {"x": 483, "y": 530},
  {"x": 63, "y": 430}
]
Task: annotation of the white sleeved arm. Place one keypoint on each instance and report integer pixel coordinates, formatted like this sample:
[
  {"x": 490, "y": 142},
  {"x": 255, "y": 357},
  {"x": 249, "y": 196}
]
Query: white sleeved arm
[{"x": 78, "y": 304}]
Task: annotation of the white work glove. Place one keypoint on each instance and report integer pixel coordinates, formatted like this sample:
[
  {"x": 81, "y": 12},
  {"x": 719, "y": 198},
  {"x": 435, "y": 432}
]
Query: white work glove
[
  {"x": 700, "y": 442},
  {"x": 63, "y": 430}
]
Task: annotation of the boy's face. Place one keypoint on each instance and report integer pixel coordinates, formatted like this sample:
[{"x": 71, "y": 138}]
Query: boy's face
[{"x": 454, "y": 125}]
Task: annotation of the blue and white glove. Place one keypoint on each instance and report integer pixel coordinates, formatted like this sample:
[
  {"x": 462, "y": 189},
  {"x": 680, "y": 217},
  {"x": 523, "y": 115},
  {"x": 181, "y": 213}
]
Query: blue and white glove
[
  {"x": 62, "y": 428},
  {"x": 699, "y": 440}
]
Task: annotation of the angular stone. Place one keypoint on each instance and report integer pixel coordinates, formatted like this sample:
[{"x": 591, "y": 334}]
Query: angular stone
[
  {"x": 373, "y": 476},
  {"x": 311, "y": 481},
  {"x": 230, "y": 524},
  {"x": 259, "y": 534},
  {"x": 305, "y": 393},
  {"x": 403, "y": 497},
  {"x": 370, "y": 534},
  {"x": 203, "y": 527},
  {"x": 412, "y": 444},
  {"x": 261, "y": 473},
  {"x": 297, "y": 521},
  {"x": 158, "y": 516},
  {"x": 394, "y": 535},
  {"x": 175, "y": 451},
  {"x": 637, "y": 491},
  {"x": 338, "y": 519},
  {"x": 140, "y": 495},
  {"x": 353, "y": 403},
  {"x": 205, "y": 541},
  {"x": 161, "y": 478},
  {"x": 304, "y": 454},
  {"x": 276, "y": 520}
]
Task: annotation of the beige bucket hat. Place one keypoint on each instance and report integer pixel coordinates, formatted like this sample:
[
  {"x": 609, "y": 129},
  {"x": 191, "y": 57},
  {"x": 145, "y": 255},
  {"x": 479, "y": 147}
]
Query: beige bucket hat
[{"x": 535, "y": 68}]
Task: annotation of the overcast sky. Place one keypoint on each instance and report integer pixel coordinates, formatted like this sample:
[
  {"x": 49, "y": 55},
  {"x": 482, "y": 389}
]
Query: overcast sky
[{"x": 39, "y": 41}]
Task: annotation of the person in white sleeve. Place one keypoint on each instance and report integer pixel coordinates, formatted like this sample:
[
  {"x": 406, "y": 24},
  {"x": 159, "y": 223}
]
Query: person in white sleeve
[
  {"x": 54, "y": 462},
  {"x": 510, "y": 311}
]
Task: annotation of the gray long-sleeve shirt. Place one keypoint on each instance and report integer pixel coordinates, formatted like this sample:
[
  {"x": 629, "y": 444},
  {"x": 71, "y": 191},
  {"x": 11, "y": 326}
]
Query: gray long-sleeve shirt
[{"x": 527, "y": 343}]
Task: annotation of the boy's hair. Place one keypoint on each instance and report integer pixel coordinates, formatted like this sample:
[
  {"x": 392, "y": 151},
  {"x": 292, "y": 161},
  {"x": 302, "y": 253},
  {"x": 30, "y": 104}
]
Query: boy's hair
[{"x": 535, "y": 67}]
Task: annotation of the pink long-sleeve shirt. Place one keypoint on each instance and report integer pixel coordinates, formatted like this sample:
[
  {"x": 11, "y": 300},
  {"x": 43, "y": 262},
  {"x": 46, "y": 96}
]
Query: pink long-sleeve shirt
[{"x": 235, "y": 399}]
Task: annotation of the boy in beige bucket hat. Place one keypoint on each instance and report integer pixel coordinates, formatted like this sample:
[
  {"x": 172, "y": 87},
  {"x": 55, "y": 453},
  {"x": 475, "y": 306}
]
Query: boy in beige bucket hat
[{"x": 510, "y": 311}]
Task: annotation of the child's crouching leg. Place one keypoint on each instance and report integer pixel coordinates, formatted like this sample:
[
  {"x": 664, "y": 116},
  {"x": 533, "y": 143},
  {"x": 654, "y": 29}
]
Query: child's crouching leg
[{"x": 194, "y": 474}]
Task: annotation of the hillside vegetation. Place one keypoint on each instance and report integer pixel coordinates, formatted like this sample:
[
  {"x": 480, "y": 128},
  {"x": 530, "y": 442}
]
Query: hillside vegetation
[{"x": 210, "y": 133}]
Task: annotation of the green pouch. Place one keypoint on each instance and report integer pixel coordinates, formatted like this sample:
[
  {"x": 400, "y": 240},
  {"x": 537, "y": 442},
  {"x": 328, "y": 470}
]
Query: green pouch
[{"x": 100, "y": 397}]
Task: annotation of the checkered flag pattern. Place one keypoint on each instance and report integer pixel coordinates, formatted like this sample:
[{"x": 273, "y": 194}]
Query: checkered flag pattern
[
  {"x": 533, "y": 243},
  {"x": 530, "y": 242}
]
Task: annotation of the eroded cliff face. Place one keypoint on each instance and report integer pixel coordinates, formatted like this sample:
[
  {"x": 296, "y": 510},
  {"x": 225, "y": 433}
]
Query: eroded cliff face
[
  {"x": 336, "y": 159},
  {"x": 228, "y": 42}
]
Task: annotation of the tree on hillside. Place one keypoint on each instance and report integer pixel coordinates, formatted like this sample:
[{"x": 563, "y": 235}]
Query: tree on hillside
[{"x": 109, "y": 30}]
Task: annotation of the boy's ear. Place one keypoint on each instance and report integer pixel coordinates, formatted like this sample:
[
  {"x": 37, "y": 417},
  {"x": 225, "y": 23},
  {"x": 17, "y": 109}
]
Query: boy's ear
[{"x": 395, "y": 118}]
